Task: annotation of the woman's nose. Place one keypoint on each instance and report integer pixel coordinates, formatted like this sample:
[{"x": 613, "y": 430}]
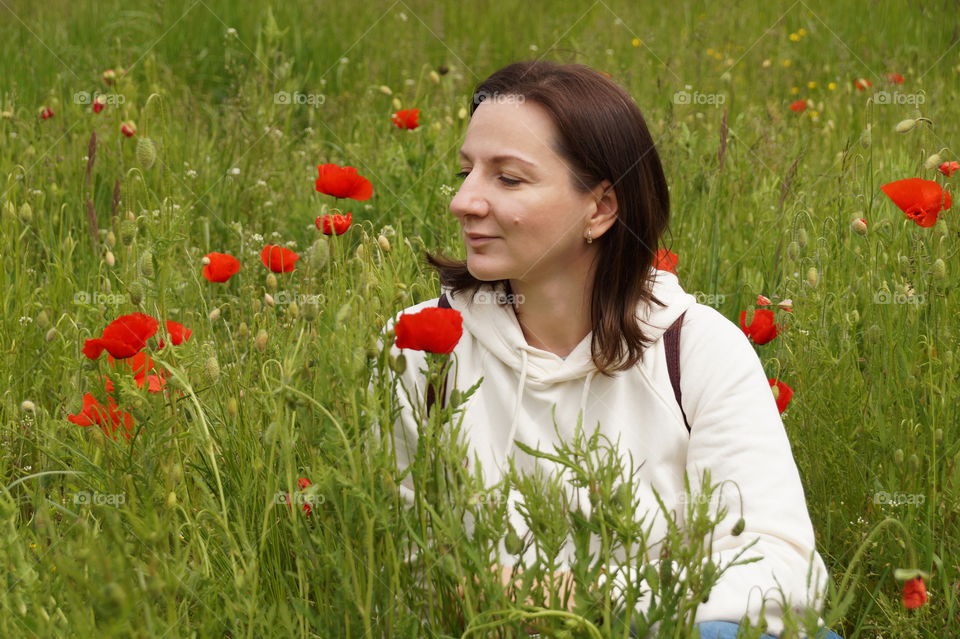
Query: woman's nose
[{"x": 468, "y": 200}]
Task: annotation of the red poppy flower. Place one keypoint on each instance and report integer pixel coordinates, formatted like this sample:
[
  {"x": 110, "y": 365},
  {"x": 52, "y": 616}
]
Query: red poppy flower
[
  {"x": 278, "y": 259},
  {"x": 921, "y": 200},
  {"x": 124, "y": 337},
  {"x": 666, "y": 261},
  {"x": 128, "y": 128},
  {"x": 108, "y": 417},
  {"x": 99, "y": 102},
  {"x": 862, "y": 84},
  {"x": 343, "y": 181},
  {"x": 761, "y": 329},
  {"x": 46, "y": 113},
  {"x": 433, "y": 329},
  {"x": 220, "y": 267},
  {"x": 144, "y": 372},
  {"x": 914, "y": 593},
  {"x": 178, "y": 332},
  {"x": 335, "y": 223},
  {"x": 949, "y": 168},
  {"x": 781, "y": 393},
  {"x": 302, "y": 483},
  {"x": 896, "y": 78},
  {"x": 407, "y": 118},
  {"x": 799, "y": 106}
]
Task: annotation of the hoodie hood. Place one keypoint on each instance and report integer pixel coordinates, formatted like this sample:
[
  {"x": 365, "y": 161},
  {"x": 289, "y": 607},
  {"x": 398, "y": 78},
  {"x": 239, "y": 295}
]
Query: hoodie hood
[{"x": 495, "y": 326}]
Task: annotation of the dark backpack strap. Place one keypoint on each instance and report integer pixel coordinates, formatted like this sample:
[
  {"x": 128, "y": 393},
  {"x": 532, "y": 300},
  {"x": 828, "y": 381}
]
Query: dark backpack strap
[
  {"x": 431, "y": 398},
  {"x": 671, "y": 339}
]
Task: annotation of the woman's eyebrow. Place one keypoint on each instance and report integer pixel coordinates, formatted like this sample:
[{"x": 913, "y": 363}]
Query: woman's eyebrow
[{"x": 501, "y": 158}]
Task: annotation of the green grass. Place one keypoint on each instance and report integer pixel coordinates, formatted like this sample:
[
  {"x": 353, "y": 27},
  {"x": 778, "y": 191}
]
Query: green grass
[{"x": 198, "y": 547}]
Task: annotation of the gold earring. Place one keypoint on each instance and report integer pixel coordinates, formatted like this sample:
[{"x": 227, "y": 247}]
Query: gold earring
[{"x": 589, "y": 237}]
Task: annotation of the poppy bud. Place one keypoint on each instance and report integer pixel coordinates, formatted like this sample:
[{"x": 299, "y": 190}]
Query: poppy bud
[
  {"x": 813, "y": 278},
  {"x": 128, "y": 232},
  {"x": 128, "y": 128},
  {"x": 360, "y": 252},
  {"x": 233, "y": 407},
  {"x": 268, "y": 299},
  {"x": 859, "y": 226},
  {"x": 146, "y": 152},
  {"x": 802, "y": 237},
  {"x": 342, "y": 314},
  {"x": 261, "y": 340},
  {"x": 243, "y": 331},
  {"x": 512, "y": 542},
  {"x": 793, "y": 250},
  {"x": 384, "y": 243},
  {"x": 26, "y": 212},
  {"x": 109, "y": 259},
  {"x": 866, "y": 138},
  {"x": 933, "y": 161},
  {"x": 874, "y": 333},
  {"x": 898, "y": 456},
  {"x": 212, "y": 368},
  {"x": 397, "y": 105},
  {"x": 131, "y": 216},
  {"x": 271, "y": 282},
  {"x": 311, "y": 309},
  {"x": 939, "y": 269},
  {"x": 948, "y": 358},
  {"x": 462, "y": 113},
  {"x": 111, "y": 239},
  {"x": 938, "y": 435},
  {"x": 9, "y": 210},
  {"x": 456, "y": 397},
  {"x": 51, "y": 335},
  {"x": 384, "y": 89},
  {"x": 905, "y": 125},
  {"x": 293, "y": 310},
  {"x": 854, "y": 317},
  {"x": 914, "y": 461},
  {"x": 434, "y": 77},
  {"x": 398, "y": 363},
  {"x": 135, "y": 291},
  {"x": 318, "y": 254},
  {"x": 214, "y": 315},
  {"x": 28, "y": 407},
  {"x": 171, "y": 499},
  {"x": 146, "y": 264}
]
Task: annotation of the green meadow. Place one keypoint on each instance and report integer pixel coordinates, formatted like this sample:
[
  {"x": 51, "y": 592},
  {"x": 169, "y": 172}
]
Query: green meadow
[{"x": 197, "y": 526}]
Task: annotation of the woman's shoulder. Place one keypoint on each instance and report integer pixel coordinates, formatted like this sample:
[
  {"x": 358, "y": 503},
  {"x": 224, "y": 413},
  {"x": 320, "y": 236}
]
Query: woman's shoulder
[{"x": 706, "y": 332}]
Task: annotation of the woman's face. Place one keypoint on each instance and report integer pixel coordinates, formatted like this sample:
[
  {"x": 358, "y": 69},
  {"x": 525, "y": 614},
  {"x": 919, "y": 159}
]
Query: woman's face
[{"x": 519, "y": 191}]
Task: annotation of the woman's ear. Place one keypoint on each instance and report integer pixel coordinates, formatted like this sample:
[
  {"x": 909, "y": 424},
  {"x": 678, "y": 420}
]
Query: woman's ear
[{"x": 605, "y": 213}]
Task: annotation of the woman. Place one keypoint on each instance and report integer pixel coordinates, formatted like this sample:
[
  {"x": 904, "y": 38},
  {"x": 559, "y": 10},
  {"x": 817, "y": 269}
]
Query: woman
[{"x": 562, "y": 207}]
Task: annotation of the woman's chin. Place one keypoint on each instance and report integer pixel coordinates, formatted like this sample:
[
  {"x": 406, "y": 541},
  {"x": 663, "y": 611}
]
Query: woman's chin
[{"x": 484, "y": 272}]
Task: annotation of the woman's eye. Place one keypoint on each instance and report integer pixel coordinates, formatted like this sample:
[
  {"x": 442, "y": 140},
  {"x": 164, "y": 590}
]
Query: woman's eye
[{"x": 509, "y": 182}]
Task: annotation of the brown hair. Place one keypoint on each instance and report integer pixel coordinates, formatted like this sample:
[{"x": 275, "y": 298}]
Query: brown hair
[{"x": 602, "y": 135}]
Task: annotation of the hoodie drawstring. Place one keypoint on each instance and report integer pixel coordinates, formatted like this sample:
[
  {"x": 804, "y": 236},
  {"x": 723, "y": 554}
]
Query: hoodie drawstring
[{"x": 517, "y": 403}]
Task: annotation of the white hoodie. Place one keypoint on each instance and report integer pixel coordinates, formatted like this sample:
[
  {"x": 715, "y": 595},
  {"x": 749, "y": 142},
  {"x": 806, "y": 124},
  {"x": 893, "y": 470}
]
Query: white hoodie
[{"x": 736, "y": 432}]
